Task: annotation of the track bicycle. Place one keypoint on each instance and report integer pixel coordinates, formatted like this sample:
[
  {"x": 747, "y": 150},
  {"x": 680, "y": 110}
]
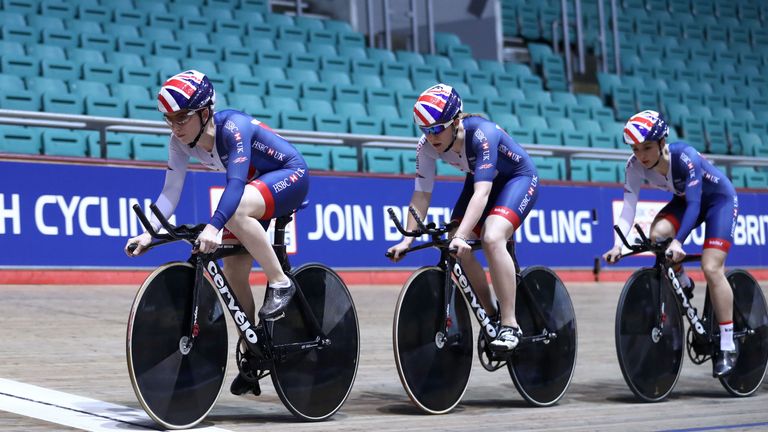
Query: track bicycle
[
  {"x": 649, "y": 327},
  {"x": 432, "y": 332},
  {"x": 177, "y": 342}
]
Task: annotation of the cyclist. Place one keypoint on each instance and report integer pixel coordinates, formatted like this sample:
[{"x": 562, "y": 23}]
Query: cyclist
[
  {"x": 499, "y": 190},
  {"x": 702, "y": 193},
  {"x": 266, "y": 178}
]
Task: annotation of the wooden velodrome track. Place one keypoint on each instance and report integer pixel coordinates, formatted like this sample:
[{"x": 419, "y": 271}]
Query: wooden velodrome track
[{"x": 71, "y": 339}]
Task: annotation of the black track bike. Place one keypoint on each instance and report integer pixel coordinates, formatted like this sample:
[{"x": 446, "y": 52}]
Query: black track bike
[
  {"x": 177, "y": 342},
  {"x": 649, "y": 327},
  {"x": 432, "y": 331}
]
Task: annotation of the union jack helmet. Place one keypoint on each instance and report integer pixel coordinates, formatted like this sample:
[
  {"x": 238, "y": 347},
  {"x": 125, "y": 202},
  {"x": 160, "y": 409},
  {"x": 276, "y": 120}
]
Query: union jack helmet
[
  {"x": 437, "y": 105},
  {"x": 189, "y": 90},
  {"x": 645, "y": 126}
]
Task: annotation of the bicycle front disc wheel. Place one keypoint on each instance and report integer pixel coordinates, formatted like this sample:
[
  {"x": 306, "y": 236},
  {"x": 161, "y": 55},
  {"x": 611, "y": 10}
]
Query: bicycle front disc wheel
[
  {"x": 749, "y": 312},
  {"x": 542, "y": 370},
  {"x": 177, "y": 385},
  {"x": 649, "y": 336},
  {"x": 314, "y": 383},
  {"x": 434, "y": 367}
]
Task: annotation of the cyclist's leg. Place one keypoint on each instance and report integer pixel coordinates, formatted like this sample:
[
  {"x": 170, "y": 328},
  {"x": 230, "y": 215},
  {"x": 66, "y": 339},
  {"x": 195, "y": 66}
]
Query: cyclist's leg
[
  {"x": 249, "y": 230},
  {"x": 273, "y": 194},
  {"x": 720, "y": 293},
  {"x": 479, "y": 281},
  {"x": 509, "y": 208},
  {"x": 667, "y": 221},
  {"x": 665, "y": 226},
  {"x": 472, "y": 267},
  {"x": 721, "y": 222},
  {"x": 496, "y": 231},
  {"x": 237, "y": 269}
]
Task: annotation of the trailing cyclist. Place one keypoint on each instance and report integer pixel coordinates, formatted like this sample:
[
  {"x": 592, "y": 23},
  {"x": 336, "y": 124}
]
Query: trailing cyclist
[
  {"x": 499, "y": 191},
  {"x": 266, "y": 178},
  {"x": 702, "y": 193}
]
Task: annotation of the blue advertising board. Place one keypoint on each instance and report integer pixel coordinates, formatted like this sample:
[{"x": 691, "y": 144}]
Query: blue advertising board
[{"x": 79, "y": 216}]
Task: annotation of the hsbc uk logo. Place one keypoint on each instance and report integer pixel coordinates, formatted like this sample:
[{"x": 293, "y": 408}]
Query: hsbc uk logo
[
  {"x": 288, "y": 181},
  {"x": 269, "y": 151},
  {"x": 528, "y": 195}
]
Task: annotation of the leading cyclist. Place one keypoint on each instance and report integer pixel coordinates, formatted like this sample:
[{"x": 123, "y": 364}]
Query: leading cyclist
[
  {"x": 266, "y": 178},
  {"x": 499, "y": 191},
  {"x": 702, "y": 193}
]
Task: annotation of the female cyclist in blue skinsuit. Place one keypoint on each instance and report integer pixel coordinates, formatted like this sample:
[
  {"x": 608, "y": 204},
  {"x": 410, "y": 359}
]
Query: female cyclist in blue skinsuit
[
  {"x": 266, "y": 178},
  {"x": 499, "y": 191},
  {"x": 702, "y": 193}
]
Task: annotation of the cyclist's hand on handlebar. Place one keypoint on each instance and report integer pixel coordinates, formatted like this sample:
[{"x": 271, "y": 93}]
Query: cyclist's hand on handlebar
[
  {"x": 613, "y": 255},
  {"x": 397, "y": 252},
  {"x": 141, "y": 241},
  {"x": 461, "y": 246},
  {"x": 208, "y": 240},
  {"x": 675, "y": 251}
]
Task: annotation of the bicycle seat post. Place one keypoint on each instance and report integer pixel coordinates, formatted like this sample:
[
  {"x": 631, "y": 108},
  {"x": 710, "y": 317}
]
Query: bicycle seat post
[{"x": 279, "y": 242}]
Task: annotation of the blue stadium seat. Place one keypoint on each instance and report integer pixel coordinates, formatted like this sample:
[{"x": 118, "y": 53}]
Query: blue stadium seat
[
  {"x": 128, "y": 92},
  {"x": 118, "y": 146},
  {"x": 318, "y": 157},
  {"x": 331, "y": 123},
  {"x": 62, "y": 142},
  {"x": 24, "y": 100},
  {"x": 280, "y": 103},
  {"x": 365, "y": 125},
  {"x": 296, "y": 120},
  {"x": 550, "y": 168},
  {"x": 63, "y": 103},
  {"x": 142, "y": 109},
  {"x": 316, "y": 106},
  {"x": 379, "y": 160},
  {"x": 344, "y": 158},
  {"x": 19, "y": 139},
  {"x": 245, "y": 102},
  {"x": 150, "y": 147}
]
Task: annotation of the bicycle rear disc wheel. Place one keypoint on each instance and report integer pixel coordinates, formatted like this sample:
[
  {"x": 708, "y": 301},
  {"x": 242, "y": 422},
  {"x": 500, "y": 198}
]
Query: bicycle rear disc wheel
[
  {"x": 749, "y": 311},
  {"x": 177, "y": 389},
  {"x": 542, "y": 371},
  {"x": 433, "y": 372},
  {"x": 650, "y": 357},
  {"x": 313, "y": 384}
]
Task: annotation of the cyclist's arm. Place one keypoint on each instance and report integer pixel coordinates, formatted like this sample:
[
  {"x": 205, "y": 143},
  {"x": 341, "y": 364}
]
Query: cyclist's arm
[
  {"x": 175, "y": 174},
  {"x": 238, "y": 165},
  {"x": 426, "y": 166},
  {"x": 690, "y": 164},
  {"x": 419, "y": 201},
  {"x": 632, "y": 181}
]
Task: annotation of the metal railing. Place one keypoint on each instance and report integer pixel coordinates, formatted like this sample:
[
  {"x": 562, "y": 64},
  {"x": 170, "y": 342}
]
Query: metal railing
[{"x": 359, "y": 142}]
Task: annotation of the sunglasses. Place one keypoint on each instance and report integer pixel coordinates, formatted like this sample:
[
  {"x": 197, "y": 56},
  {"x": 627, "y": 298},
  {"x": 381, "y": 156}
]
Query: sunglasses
[
  {"x": 435, "y": 128},
  {"x": 184, "y": 119}
]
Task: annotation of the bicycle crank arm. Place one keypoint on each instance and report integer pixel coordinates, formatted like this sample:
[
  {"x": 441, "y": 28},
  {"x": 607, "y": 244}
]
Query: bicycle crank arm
[
  {"x": 740, "y": 334},
  {"x": 293, "y": 348},
  {"x": 543, "y": 337},
  {"x": 453, "y": 339}
]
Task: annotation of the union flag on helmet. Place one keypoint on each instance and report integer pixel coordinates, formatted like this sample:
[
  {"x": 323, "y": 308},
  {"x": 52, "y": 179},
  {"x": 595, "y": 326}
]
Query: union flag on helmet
[
  {"x": 189, "y": 90},
  {"x": 438, "y": 104},
  {"x": 645, "y": 126}
]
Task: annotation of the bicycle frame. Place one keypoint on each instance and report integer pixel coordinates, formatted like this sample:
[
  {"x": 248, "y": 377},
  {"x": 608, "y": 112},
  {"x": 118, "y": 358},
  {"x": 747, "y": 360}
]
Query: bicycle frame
[
  {"x": 455, "y": 277},
  {"x": 256, "y": 337},
  {"x": 668, "y": 279}
]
